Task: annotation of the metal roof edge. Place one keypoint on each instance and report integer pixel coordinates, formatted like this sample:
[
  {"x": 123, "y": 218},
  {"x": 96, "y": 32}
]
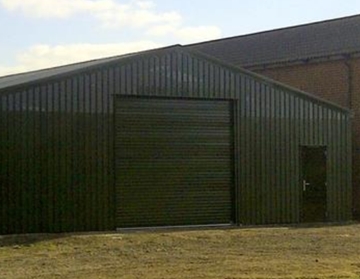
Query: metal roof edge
[
  {"x": 183, "y": 49},
  {"x": 102, "y": 61},
  {"x": 300, "y": 60},
  {"x": 269, "y": 81},
  {"x": 273, "y": 30}
]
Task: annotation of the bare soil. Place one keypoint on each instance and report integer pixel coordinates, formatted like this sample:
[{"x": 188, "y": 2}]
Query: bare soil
[{"x": 282, "y": 252}]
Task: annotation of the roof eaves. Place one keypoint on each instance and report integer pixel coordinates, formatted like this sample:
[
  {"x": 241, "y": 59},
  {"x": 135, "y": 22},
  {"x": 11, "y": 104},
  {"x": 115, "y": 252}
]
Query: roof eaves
[
  {"x": 102, "y": 62},
  {"x": 301, "y": 60}
]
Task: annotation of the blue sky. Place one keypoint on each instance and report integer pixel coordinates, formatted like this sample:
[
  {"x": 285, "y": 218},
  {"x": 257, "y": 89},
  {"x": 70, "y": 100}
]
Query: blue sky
[{"x": 37, "y": 34}]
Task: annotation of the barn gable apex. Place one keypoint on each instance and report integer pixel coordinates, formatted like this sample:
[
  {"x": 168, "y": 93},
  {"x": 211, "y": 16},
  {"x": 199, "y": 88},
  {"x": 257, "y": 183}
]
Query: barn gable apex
[{"x": 18, "y": 82}]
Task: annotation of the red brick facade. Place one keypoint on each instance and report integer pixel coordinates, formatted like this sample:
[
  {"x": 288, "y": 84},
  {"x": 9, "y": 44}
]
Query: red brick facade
[
  {"x": 337, "y": 81},
  {"x": 328, "y": 80}
]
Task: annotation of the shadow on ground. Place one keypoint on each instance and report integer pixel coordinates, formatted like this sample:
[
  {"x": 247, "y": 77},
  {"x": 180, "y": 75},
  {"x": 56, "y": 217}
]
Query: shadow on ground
[
  {"x": 27, "y": 239},
  {"x": 321, "y": 225}
]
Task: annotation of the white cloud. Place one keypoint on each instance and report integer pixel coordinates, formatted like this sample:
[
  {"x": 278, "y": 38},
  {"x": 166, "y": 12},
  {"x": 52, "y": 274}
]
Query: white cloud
[
  {"x": 109, "y": 12},
  {"x": 145, "y": 4},
  {"x": 4, "y": 71},
  {"x": 187, "y": 34},
  {"x": 44, "y": 56},
  {"x": 140, "y": 18},
  {"x": 197, "y": 34},
  {"x": 162, "y": 30},
  {"x": 45, "y": 8},
  {"x": 139, "y": 14}
]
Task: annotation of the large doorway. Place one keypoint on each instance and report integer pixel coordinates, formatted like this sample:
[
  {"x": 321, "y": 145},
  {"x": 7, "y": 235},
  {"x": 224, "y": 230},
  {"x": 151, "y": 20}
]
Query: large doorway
[
  {"x": 313, "y": 184},
  {"x": 174, "y": 162}
]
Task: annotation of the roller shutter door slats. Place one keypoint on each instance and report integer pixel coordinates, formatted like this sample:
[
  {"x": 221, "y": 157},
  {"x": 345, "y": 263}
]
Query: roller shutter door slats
[{"x": 173, "y": 162}]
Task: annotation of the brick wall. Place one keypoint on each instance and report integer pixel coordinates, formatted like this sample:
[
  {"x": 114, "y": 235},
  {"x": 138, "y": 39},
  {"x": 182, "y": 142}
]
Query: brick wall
[{"x": 329, "y": 80}]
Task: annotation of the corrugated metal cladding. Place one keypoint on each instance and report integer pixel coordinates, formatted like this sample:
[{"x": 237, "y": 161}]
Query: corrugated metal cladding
[
  {"x": 58, "y": 141},
  {"x": 173, "y": 162}
]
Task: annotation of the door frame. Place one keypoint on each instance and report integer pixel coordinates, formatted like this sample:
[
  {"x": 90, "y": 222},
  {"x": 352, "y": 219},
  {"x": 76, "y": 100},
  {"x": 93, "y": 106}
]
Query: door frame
[{"x": 301, "y": 181}]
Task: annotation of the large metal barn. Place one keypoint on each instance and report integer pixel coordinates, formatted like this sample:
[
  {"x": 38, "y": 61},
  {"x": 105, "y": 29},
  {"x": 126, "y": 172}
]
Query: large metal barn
[{"x": 164, "y": 138}]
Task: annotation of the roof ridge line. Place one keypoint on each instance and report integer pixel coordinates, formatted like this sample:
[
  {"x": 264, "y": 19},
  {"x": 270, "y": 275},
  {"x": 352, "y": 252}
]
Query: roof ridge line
[{"x": 274, "y": 30}]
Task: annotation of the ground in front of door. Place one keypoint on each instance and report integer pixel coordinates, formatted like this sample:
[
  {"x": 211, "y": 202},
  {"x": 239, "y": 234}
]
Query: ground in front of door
[{"x": 285, "y": 252}]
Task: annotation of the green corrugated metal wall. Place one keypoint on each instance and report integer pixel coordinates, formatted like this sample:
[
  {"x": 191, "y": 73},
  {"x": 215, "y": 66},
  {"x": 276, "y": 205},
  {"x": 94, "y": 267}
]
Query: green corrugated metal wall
[
  {"x": 57, "y": 143},
  {"x": 56, "y": 164}
]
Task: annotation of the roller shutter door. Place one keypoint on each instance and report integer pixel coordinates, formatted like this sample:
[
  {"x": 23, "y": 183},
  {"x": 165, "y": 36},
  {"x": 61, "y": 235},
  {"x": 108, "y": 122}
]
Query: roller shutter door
[{"x": 173, "y": 162}]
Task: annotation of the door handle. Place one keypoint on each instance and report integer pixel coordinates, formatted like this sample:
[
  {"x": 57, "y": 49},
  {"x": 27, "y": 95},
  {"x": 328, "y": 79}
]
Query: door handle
[{"x": 305, "y": 184}]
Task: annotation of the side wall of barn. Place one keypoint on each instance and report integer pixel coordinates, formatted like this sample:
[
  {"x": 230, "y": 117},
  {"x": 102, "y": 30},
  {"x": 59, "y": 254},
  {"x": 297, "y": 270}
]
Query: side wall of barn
[
  {"x": 333, "y": 80},
  {"x": 56, "y": 164}
]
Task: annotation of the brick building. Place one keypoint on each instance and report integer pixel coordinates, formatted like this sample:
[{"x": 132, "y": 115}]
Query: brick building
[{"x": 322, "y": 58}]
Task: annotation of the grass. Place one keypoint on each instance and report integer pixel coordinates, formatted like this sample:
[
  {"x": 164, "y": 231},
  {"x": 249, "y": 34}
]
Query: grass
[{"x": 284, "y": 252}]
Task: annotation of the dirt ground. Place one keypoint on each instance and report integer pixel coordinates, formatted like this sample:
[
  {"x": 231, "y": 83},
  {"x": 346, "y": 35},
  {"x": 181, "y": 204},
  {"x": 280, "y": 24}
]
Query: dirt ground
[{"x": 285, "y": 252}]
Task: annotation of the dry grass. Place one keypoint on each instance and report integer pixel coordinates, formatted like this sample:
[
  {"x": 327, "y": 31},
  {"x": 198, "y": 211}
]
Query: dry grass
[{"x": 325, "y": 252}]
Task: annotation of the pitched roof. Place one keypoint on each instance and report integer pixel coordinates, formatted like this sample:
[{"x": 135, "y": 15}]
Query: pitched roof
[
  {"x": 11, "y": 82},
  {"x": 319, "y": 39},
  {"x": 24, "y": 78}
]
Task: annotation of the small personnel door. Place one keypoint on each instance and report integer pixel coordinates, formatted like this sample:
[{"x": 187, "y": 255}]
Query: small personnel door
[{"x": 313, "y": 184}]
